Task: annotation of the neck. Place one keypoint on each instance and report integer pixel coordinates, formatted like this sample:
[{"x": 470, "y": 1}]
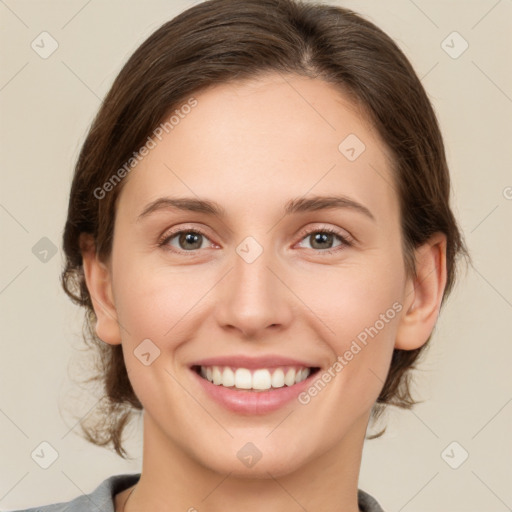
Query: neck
[{"x": 174, "y": 480}]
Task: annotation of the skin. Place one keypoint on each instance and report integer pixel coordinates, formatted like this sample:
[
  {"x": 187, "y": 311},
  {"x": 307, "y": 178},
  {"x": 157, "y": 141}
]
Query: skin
[{"x": 252, "y": 146}]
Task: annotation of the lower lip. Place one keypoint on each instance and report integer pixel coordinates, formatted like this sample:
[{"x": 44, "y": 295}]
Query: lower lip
[{"x": 253, "y": 402}]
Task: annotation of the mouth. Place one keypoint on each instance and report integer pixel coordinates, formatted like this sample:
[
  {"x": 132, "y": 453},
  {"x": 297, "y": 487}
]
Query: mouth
[{"x": 255, "y": 379}]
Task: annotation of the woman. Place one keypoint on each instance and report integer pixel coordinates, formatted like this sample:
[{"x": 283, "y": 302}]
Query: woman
[{"x": 259, "y": 229}]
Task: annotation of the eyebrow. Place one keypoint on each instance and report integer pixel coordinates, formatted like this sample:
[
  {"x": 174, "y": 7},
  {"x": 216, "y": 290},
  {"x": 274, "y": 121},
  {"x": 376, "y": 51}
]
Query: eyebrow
[{"x": 298, "y": 205}]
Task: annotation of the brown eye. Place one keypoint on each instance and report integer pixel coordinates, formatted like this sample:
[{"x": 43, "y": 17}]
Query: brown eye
[
  {"x": 185, "y": 240},
  {"x": 323, "y": 240}
]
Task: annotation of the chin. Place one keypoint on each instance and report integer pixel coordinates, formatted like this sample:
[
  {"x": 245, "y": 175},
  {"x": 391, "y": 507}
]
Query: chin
[{"x": 253, "y": 460}]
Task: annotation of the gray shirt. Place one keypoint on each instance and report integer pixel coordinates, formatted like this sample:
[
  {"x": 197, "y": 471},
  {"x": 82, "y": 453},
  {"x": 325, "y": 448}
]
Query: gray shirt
[{"x": 102, "y": 498}]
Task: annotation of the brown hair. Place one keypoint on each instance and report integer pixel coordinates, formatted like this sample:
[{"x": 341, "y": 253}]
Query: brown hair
[{"x": 217, "y": 41}]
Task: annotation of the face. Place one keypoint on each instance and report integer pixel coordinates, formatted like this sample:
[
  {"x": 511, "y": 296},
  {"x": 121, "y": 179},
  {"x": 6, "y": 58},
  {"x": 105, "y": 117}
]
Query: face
[{"x": 272, "y": 281}]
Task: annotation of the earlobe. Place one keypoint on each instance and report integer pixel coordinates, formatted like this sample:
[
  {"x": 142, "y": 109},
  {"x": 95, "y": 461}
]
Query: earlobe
[
  {"x": 99, "y": 283},
  {"x": 423, "y": 294}
]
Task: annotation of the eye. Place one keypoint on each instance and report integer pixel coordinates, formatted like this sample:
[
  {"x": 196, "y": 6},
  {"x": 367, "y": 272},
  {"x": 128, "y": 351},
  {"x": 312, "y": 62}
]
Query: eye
[
  {"x": 322, "y": 239},
  {"x": 186, "y": 240},
  {"x": 189, "y": 240}
]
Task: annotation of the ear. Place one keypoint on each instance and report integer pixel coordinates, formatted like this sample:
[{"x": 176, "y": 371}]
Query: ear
[
  {"x": 98, "y": 278},
  {"x": 423, "y": 294}
]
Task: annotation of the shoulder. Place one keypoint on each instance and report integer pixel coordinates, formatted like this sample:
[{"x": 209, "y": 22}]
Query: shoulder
[
  {"x": 368, "y": 503},
  {"x": 102, "y": 498}
]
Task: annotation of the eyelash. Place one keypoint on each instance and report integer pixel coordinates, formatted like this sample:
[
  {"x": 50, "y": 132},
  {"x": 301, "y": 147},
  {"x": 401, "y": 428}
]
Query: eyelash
[{"x": 346, "y": 242}]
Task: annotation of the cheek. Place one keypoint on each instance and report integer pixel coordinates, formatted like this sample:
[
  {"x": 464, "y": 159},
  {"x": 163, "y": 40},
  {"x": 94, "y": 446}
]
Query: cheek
[
  {"x": 364, "y": 326},
  {"x": 152, "y": 299},
  {"x": 365, "y": 311},
  {"x": 357, "y": 308},
  {"x": 154, "y": 303},
  {"x": 350, "y": 298}
]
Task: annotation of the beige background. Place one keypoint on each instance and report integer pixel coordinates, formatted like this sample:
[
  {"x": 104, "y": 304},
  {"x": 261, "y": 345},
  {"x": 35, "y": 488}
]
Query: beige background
[{"x": 465, "y": 380}]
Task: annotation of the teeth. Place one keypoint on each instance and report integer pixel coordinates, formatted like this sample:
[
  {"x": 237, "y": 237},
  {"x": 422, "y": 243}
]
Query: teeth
[
  {"x": 260, "y": 379},
  {"x": 289, "y": 378},
  {"x": 278, "y": 378},
  {"x": 243, "y": 379},
  {"x": 217, "y": 375},
  {"x": 228, "y": 377}
]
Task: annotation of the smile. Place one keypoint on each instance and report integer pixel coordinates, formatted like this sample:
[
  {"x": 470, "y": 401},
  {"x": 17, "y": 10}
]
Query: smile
[
  {"x": 252, "y": 391},
  {"x": 259, "y": 379}
]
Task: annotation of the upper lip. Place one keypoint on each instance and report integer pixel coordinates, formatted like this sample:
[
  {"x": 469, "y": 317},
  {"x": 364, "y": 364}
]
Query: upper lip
[{"x": 243, "y": 361}]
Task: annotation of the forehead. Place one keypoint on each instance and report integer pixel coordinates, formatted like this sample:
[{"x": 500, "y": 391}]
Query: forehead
[{"x": 266, "y": 139}]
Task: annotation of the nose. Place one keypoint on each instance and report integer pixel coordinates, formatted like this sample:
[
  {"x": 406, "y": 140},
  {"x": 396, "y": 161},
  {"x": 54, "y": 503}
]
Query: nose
[{"x": 253, "y": 298}]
